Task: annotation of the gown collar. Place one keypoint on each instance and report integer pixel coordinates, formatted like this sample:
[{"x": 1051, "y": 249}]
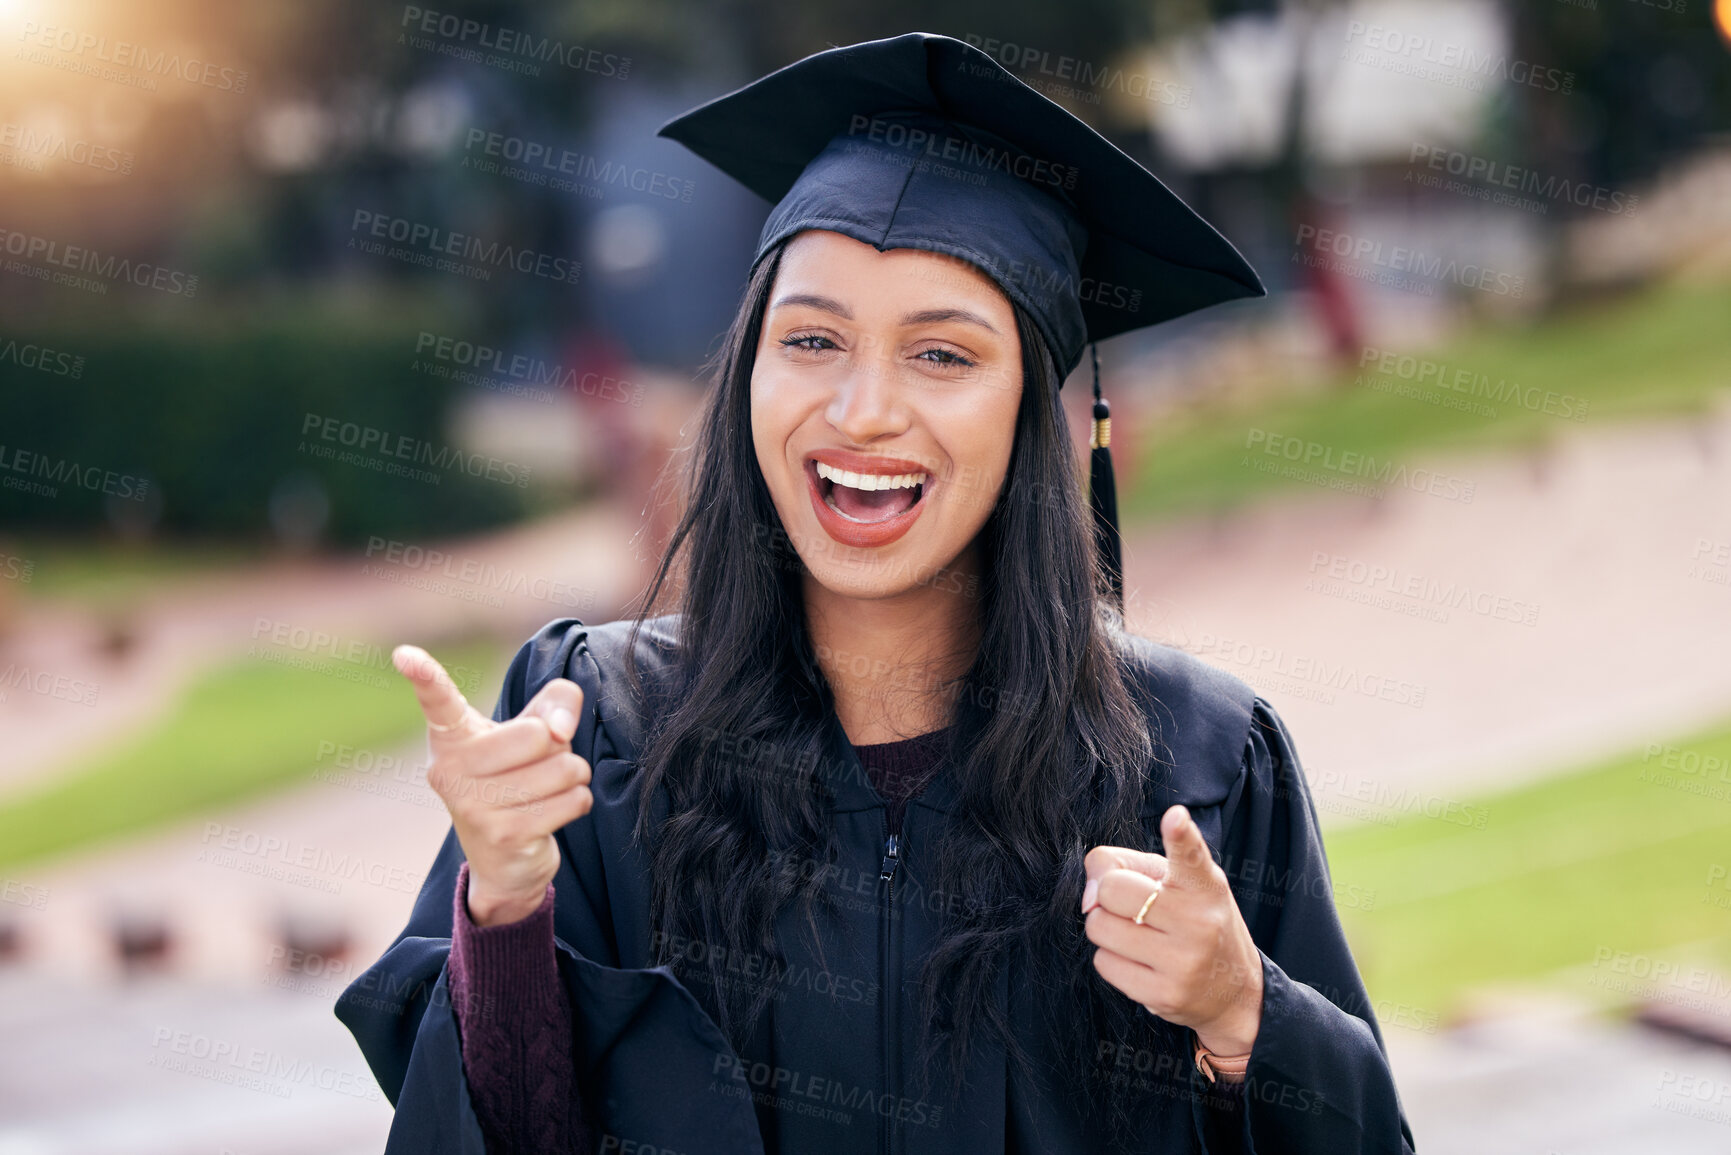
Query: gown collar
[{"x": 851, "y": 788}]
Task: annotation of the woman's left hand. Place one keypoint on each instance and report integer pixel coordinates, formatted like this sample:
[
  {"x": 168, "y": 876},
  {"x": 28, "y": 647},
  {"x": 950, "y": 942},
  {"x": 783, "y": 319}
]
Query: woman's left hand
[{"x": 1192, "y": 961}]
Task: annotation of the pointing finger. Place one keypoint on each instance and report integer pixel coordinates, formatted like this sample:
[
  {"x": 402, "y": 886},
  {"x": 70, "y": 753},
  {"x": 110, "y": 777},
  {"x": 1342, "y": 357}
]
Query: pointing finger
[
  {"x": 1185, "y": 846},
  {"x": 441, "y": 702}
]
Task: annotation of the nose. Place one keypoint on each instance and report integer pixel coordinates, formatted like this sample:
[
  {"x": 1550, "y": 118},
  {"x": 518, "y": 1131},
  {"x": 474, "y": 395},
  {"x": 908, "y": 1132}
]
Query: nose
[{"x": 868, "y": 401}]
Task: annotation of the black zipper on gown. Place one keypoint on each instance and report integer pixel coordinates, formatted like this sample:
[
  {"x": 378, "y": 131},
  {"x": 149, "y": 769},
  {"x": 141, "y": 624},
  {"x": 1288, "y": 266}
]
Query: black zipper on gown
[{"x": 892, "y": 984}]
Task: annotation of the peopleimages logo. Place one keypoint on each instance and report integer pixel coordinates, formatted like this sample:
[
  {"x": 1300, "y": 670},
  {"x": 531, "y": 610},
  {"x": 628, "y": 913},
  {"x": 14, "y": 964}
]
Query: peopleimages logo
[
  {"x": 1366, "y": 252},
  {"x": 28, "y": 355},
  {"x": 1380, "y": 473},
  {"x": 18, "y": 465},
  {"x": 370, "y": 447},
  {"x": 961, "y": 150},
  {"x": 92, "y": 52},
  {"x": 1422, "y": 371},
  {"x": 487, "y": 360},
  {"x": 1488, "y": 172},
  {"x": 18, "y": 142},
  {"x": 442, "y": 249},
  {"x": 49, "y": 259},
  {"x": 511, "y": 49},
  {"x": 1460, "y": 65},
  {"x": 563, "y": 170},
  {"x": 1034, "y": 66}
]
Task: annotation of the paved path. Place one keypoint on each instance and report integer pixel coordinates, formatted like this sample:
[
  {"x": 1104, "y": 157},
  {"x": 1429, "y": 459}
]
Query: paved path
[
  {"x": 1597, "y": 539},
  {"x": 233, "y": 1047},
  {"x": 172, "y": 1067},
  {"x": 1556, "y": 1082}
]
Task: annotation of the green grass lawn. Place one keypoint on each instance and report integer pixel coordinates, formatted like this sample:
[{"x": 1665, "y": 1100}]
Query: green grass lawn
[
  {"x": 111, "y": 573},
  {"x": 1620, "y": 856},
  {"x": 1666, "y": 350},
  {"x": 237, "y": 732}
]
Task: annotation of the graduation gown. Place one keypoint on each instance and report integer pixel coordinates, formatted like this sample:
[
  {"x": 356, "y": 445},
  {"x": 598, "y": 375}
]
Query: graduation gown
[{"x": 830, "y": 1068}]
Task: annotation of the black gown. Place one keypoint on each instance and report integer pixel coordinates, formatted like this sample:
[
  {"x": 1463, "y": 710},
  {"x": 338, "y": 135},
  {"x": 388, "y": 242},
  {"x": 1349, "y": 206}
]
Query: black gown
[{"x": 828, "y": 1074}]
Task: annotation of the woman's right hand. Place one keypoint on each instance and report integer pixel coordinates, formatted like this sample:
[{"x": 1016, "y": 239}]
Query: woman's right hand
[{"x": 508, "y": 785}]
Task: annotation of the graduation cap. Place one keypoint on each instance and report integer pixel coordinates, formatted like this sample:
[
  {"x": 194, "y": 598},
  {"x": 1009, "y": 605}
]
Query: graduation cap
[{"x": 926, "y": 142}]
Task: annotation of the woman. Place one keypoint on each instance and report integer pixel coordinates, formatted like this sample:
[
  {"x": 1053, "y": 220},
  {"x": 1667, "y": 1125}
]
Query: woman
[{"x": 889, "y": 837}]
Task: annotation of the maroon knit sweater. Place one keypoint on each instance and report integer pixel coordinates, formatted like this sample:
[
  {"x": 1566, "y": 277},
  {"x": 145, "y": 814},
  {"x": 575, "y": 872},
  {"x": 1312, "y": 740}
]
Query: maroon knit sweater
[{"x": 518, "y": 1058}]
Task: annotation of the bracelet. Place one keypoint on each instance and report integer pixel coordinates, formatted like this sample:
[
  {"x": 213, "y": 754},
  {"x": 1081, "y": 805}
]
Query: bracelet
[{"x": 1208, "y": 1062}]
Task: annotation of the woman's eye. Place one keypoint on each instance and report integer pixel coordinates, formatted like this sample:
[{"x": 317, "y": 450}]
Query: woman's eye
[
  {"x": 945, "y": 357},
  {"x": 811, "y": 342}
]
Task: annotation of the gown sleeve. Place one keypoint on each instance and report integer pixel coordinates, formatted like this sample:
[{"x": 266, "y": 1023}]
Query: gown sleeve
[
  {"x": 1319, "y": 1077},
  {"x": 645, "y": 1052},
  {"x": 517, "y": 1045}
]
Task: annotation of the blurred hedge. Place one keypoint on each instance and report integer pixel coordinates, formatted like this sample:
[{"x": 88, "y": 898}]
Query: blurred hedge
[{"x": 212, "y": 414}]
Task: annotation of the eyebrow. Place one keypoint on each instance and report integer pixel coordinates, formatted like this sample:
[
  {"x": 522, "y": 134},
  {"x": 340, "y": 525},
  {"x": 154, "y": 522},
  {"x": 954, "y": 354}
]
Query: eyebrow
[
  {"x": 932, "y": 316},
  {"x": 923, "y": 317},
  {"x": 812, "y": 300}
]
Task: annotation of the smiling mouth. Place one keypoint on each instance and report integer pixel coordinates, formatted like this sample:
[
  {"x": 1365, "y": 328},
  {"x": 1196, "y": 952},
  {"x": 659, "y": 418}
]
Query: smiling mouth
[{"x": 868, "y": 498}]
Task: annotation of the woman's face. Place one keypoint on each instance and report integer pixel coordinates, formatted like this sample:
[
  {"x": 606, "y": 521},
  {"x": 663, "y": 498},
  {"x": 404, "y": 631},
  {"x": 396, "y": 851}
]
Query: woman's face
[{"x": 883, "y": 409}]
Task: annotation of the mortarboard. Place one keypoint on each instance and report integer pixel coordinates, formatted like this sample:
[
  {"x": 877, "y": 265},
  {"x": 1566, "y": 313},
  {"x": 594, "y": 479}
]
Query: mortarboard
[{"x": 926, "y": 142}]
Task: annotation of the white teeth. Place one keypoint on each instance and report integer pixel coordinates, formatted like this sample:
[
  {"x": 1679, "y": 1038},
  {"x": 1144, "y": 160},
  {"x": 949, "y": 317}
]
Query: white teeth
[{"x": 870, "y": 480}]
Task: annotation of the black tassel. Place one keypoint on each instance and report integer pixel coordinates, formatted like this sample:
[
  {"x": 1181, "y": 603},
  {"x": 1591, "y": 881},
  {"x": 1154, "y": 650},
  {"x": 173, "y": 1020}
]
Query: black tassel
[{"x": 1103, "y": 490}]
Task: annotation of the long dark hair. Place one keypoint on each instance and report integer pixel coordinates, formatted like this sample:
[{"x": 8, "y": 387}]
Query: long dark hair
[{"x": 1049, "y": 748}]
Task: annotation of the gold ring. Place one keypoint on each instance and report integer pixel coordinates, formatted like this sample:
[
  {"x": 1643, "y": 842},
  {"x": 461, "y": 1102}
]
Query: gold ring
[{"x": 1152, "y": 895}]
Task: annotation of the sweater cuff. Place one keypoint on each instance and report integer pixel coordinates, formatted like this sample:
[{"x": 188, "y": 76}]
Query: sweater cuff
[{"x": 510, "y": 965}]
